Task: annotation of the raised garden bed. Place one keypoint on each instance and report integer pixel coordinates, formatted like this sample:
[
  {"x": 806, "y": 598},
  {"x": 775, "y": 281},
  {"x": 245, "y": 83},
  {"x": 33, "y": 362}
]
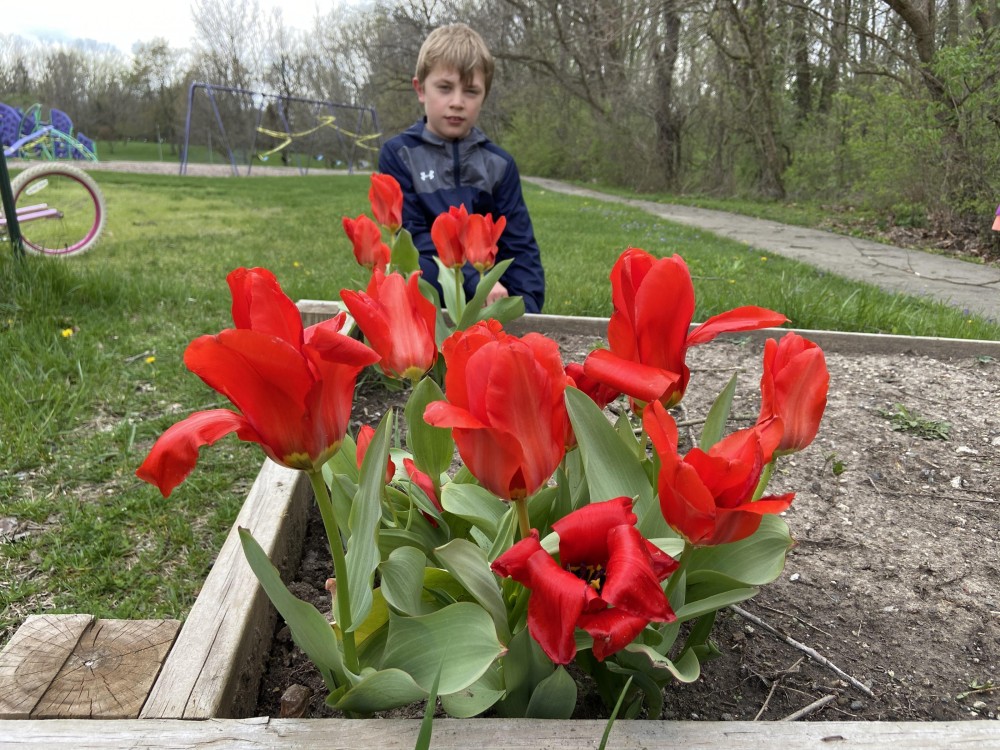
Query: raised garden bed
[{"x": 893, "y": 580}]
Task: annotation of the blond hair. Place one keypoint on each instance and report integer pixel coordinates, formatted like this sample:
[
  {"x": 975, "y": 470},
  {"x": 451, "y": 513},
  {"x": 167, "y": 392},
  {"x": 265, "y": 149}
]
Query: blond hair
[{"x": 456, "y": 46}]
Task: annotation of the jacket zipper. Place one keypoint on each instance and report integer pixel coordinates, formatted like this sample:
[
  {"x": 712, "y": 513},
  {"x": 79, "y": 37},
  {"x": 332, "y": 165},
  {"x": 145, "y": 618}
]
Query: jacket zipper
[{"x": 456, "y": 164}]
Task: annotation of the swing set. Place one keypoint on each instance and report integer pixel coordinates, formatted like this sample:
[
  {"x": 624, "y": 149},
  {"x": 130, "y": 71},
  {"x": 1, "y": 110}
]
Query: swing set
[{"x": 252, "y": 127}]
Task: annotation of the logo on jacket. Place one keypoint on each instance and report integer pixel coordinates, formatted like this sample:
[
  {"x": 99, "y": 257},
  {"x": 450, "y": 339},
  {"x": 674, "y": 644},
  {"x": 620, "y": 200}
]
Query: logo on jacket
[{"x": 424, "y": 176}]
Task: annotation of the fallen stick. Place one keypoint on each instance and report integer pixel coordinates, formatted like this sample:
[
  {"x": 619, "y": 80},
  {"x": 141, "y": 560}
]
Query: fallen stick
[
  {"x": 811, "y": 653},
  {"x": 814, "y": 706}
]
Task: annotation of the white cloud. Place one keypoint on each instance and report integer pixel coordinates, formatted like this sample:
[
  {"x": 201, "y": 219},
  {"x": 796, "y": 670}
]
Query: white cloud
[{"x": 122, "y": 23}]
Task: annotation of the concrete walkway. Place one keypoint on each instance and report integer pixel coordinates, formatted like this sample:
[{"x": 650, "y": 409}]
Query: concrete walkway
[{"x": 966, "y": 285}]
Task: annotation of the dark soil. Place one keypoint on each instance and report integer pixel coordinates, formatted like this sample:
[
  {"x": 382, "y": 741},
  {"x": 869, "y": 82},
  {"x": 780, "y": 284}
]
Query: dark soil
[{"x": 894, "y": 575}]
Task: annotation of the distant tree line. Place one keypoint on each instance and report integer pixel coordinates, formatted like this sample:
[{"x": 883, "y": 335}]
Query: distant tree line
[{"x": 889, "y": 104}]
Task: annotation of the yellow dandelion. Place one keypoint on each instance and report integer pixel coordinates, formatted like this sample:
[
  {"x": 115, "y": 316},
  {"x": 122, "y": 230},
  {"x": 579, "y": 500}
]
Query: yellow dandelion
[
  {"x": 763, "y": 258},
  {"x": 150, "y": 360},
  {"x": 67, "y": 332},
  {"x": 296, "y": 264}
]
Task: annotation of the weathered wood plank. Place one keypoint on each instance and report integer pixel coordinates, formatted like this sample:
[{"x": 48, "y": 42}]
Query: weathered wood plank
[
  {"x": 216, "y": 663},
  {"x": 32, "y": 659},
  {"x": 498, "y": 734},
  {"x": 110, "y": 672}
]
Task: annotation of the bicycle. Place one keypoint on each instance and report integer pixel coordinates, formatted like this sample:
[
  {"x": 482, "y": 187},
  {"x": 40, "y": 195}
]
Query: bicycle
[{"x": 59, "y": 207}]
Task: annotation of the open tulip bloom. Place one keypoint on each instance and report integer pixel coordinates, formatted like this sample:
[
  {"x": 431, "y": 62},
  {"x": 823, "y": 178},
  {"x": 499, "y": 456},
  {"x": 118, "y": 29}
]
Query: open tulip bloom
[{"x": 562, "y": 538}]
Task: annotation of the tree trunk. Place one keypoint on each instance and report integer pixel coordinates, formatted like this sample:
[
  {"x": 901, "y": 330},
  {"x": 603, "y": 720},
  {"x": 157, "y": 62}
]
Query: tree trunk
[{"x": 668, "y": 120}]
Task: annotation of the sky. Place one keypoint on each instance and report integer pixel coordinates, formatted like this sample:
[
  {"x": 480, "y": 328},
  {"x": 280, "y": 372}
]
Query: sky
[{"x": 121, "y": 23}]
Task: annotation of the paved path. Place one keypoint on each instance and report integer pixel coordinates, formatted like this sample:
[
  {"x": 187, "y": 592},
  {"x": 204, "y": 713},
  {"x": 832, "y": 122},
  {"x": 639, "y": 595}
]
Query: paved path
[{"x": 969, "y": 286}]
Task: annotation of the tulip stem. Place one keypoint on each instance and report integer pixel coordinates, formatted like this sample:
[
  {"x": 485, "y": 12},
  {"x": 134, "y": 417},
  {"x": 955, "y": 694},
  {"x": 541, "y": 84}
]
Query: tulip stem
[
  {"x": 523, "y": 522},
  {"x": 459, "y": 295},
  {"x": 682, "y": 564},
  {"x": 343, "y": 595},
  {"x": 765, "y": 479}
]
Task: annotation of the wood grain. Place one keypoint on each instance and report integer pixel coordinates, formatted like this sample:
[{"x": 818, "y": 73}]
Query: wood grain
[
  {"x": 497, "y": 734},
  {"x": 32, "y": 659},
  {"x": 216, "y": 663}
]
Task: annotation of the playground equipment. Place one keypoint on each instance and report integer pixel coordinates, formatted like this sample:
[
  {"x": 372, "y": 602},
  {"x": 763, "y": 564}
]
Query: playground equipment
[
  {"x": 24, "y": 135},
  {"x": 255, "y": 127}
]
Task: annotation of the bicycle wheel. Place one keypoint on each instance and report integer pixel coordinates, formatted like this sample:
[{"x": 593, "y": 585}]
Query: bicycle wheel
[{"x": 77, "y": 198}]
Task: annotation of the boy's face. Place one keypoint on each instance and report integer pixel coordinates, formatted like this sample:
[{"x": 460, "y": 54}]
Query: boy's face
[{"x": 452, "y": 107}]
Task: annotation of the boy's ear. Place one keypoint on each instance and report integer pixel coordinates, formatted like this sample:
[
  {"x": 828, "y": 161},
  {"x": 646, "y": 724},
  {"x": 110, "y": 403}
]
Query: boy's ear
[{"x": 419, "y": 88}]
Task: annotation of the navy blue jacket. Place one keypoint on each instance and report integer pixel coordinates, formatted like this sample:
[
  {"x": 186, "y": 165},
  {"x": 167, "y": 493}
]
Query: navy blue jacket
[{"x": 436, "y": 174}]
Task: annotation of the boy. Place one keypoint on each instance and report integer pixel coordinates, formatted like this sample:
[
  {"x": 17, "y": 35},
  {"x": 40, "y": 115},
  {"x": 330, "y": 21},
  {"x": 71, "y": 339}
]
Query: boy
[{"x": 445, "y": 160}]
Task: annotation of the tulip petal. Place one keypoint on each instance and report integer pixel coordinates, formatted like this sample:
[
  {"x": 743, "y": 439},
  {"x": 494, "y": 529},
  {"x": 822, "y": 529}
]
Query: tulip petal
[
  {"x": 262, "y": 375},
  {"x": 637, "y": 380},
  {"x": 734, "y": 524},
  {"x": 514, "y": 402},
  {"x": 630, "y": 583},
  {"x": 748, "y": 318},
  {"x": 612, "y": 630},
  {"x": 175, "y": 453},
  {"x": 260, "y": 305},
  {"x": 583, "y": 534}
]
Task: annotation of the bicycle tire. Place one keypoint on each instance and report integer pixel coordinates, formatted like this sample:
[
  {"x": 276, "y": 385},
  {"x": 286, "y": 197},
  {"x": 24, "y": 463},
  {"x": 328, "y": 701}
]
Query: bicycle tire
[{"x": 77, "y": 197}]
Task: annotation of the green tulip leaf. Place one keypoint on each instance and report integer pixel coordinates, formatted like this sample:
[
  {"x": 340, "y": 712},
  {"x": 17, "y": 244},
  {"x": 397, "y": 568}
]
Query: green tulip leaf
[
  {"x": 366, "y": 512},
  {"x": 504, "y": 310},
  {"x": 405, "y": 257},
  {"x": 699, "y": 607},
  {"x": 454, "y": 293},
  {"x": 553, "y": 698},
  {"x": 380, "y": 691},
  {"x": 646, "y": 660},
  {"x": 611, "y": 466},
  {"x": 475, "y": 504},
  {"x": 505, "y": 535},
  {"x": 403, "y": 580},
  {"x": 475, "y": 305},
  {"x": 432, "y": 446},
  {"x": 467, "y": 563},
  {"x": 524, "y": 666},
  {"x": 476, "y": 698},
  {"x": 718, "y": 415},
  {"x": 420, "y": 535},
  {"x": 627, "y": 435},
  {"x": 310, "y": 629},
  {"x": 754, "y": 561},
  {"x": 378, "y": 618},
  {"x": 459, "y": 640}
]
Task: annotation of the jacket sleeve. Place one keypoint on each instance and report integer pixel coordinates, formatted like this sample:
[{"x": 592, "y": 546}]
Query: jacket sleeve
[
  {"x": 525, "y": 277},
  {"x": 414, "y": 218}
]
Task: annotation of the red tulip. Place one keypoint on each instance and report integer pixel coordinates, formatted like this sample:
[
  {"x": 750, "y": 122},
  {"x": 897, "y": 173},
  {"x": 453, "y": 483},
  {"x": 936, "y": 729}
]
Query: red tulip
[
  {"x": 706, "y": 497},
  {"x": 448, "y": 235},
  {"x": 505, "y": 407},
  {"x": 481, "y": 237},
  {"x": 386, "y": 199},
  {"x": 607, "y": 581},
  {"x": 365, "y": 435},
  {"x": 793, "y": 390},
  {"x": 293, "y": 387},
  {"x": 398, "y": 321},
  {"x": 648, "y": 332},
  {"x": 600, "y": 394},
  {"x": 365, "y": 235}
]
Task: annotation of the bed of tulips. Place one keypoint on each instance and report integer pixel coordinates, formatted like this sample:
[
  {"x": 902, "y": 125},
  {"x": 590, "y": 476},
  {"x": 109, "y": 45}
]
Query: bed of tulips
[{"x": 564, "y": 537}]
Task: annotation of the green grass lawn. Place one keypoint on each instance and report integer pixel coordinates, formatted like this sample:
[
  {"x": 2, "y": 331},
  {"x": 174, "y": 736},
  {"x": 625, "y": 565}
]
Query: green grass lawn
[{"x": 92, "y": 349}]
